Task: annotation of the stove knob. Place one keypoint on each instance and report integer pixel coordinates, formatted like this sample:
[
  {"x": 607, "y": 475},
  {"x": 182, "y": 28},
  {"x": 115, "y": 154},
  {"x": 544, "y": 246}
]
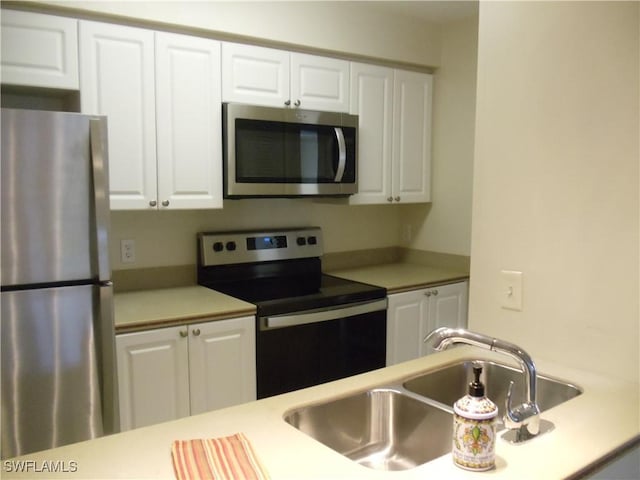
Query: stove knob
[
  {"x": 301, "y": 241},
  {"x": 231, "y": 246},
  {"x": 312, "y": 240},
  {"x": 218, "y": 247}
]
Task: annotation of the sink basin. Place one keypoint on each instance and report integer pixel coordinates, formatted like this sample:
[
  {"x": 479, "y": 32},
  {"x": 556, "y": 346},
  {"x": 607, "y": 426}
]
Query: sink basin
[
  {"x": 448, "y": 384},
  {"x": 407, "y": 423},
  {"x": 381, "y": 428}
]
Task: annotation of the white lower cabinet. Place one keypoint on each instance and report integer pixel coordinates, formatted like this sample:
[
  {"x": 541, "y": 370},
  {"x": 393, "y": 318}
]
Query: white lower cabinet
[
  {"x": 222, "y": 364},
  {"x": 169, "y": 373},
  {"x": 412, "y": 315}
]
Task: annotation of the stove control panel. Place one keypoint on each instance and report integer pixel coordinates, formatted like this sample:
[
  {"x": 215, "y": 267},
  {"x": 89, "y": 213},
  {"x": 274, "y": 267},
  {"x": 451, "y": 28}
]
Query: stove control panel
[
  {"x": 227, "y": 248},
  {"x": 266, "y": 242}
]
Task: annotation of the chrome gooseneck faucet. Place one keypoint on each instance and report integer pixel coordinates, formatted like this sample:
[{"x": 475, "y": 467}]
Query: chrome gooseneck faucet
[{"x": 525, "y": 417}]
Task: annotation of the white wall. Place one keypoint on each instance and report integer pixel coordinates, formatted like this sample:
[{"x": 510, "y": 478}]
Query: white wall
[
  {"x": 349, "y": 27},
  {"x": 445, "y": 224},
  {"x": 169, "y": 238},
  {"x": 556, "y": 185}
]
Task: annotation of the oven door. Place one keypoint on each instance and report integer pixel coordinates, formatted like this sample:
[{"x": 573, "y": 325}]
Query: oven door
[
  {"x": 302, "y": 349},
  {"x": 284, "y": 152}
]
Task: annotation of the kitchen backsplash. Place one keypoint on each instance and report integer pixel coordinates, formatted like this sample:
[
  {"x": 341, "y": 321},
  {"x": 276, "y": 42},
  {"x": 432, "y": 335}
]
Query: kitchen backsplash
[
  {"x": 185, "y": 275},
  {"x": 168, "y": 239}
]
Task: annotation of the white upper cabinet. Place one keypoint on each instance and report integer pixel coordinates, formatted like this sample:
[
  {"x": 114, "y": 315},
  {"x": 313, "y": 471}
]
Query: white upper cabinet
[
  {"x": 372, "y": 101},
  {"x": 411, "y": 175},
  {"x": 277, "y": 78},
  {"x": 117, "y": 79},
  {"x": 394, "y": 146},
  {"x": 161, "y": 94},
  {"x": 254, "y": 75},
  {"x": 39, "y": 50},
  {"x": 189, "y": 122},
  {"x": 319, "y": 83}
]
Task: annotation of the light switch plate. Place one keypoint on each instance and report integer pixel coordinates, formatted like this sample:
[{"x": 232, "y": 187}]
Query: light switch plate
[{"x": 511, "y": 289}]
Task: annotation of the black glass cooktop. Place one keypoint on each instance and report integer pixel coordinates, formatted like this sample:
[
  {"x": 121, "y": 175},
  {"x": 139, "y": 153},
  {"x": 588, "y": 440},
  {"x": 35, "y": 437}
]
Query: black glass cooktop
[{"x": 274, "y": 296}]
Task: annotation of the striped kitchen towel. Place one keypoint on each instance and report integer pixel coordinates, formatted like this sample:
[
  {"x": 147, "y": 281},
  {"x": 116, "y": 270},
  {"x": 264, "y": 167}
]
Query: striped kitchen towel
[{"x": 225, "y": 458}]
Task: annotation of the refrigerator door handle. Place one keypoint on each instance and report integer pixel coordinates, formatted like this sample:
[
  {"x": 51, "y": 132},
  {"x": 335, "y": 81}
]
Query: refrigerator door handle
[
  {"x": 98, "y": 139},
  {"x": 109, "y": 374}
]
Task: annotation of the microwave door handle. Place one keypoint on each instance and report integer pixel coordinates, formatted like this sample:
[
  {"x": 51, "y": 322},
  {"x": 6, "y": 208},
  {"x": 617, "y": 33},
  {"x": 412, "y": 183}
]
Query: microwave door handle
[{"x": 342, "y": 154}]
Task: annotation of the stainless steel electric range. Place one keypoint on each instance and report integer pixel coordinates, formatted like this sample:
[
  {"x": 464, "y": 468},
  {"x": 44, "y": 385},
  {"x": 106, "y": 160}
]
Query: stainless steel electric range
[{"x": 311, "y": 327}]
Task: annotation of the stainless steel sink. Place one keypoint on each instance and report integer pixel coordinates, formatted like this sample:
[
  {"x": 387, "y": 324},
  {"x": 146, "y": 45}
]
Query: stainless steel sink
[
  {"x": 448, "y": 384},
  {"x": 381, "y": 428},
  {"x": 407, "y": 423}
]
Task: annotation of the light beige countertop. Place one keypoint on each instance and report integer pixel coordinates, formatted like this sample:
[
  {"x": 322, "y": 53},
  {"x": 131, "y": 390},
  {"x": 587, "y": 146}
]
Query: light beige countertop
[
  {"x": 144, "y": 309},
  {"x": 174, "y": 306},
  {"x": 399, "y": 277},
  {"x": 587, "y": 429}
]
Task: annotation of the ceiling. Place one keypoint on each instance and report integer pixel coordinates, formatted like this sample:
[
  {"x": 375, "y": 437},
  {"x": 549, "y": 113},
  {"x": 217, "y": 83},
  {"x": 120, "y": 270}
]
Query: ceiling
[{"x": 440, "y": 11}]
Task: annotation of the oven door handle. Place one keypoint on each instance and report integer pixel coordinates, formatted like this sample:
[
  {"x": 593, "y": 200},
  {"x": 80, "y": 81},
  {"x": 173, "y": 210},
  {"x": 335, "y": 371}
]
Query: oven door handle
[{"x": 322, "y": 315}]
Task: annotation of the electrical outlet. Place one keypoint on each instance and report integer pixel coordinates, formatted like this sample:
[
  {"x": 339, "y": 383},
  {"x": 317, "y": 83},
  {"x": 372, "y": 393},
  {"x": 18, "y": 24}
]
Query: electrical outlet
[
  {"x": 511, "y": 290},
  {"x": 127, "y": 251}
]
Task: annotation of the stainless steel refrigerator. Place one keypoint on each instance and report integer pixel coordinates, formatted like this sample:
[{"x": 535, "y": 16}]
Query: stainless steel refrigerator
[{"x": 57, "y": 336}]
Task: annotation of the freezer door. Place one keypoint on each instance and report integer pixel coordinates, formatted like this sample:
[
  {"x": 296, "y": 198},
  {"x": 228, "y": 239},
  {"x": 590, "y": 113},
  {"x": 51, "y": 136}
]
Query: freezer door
[
  {"x": 54, "y": 197},
  {"x": 53, "y": 367}
]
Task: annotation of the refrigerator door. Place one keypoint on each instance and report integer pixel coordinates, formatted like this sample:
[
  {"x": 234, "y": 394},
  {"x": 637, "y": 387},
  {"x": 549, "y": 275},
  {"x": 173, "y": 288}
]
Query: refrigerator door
[
  {"x": 54, "y": 197},
  {"x": 52, "y": 359}
]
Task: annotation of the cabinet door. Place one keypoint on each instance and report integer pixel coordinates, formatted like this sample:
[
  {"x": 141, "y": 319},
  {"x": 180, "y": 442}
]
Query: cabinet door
[
  {"x": 189, "y": 122},
  {"x": 319, "y": 83},
  {"x": 255, "y": 75},
  {"x": 412, "y": 137},
  {"x": 153, "y": 376},
  {"x": 448, "y": 305},
  {"x": 411, "y": 316},
  {"x": 39, "y": 50},
  {"x": 117, "y": 80},
  {"x": 222, "y": 363},
  {"x": 371, "y": 99},
  {"x": 406, "y": 316}
]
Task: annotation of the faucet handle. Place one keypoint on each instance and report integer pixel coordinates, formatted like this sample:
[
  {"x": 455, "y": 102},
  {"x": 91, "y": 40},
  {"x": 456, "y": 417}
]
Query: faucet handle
[
  {"x": 525, "y": 417},
  {"x": 507, "y": 405},
  {"x": 513, "y": 417}
]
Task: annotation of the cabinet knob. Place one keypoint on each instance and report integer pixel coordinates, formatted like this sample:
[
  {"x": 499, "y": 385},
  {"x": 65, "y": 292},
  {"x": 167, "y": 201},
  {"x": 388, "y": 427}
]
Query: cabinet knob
[
  {"x": 183, "y": 333},
  {"x": 287, "y": 103},
  {"x": 297, "y": 103},
  {"x": 389, "y": 199},
  {"x": 153, "y": 203},
  {"x": 165, "y": 203},
  {"x": 435, "y": 292},
  {"x": 397, "y": 199},
  {"x": 196, "y": 332},
  {"x": 427, "y": 293}
]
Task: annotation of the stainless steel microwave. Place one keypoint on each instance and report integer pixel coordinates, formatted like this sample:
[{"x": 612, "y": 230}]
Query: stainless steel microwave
[{"x": 285, "y": 152}]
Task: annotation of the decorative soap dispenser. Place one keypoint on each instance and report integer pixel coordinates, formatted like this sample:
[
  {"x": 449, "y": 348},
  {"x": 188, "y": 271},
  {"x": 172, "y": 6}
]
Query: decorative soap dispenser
[{"x": 474, "y": 428}]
